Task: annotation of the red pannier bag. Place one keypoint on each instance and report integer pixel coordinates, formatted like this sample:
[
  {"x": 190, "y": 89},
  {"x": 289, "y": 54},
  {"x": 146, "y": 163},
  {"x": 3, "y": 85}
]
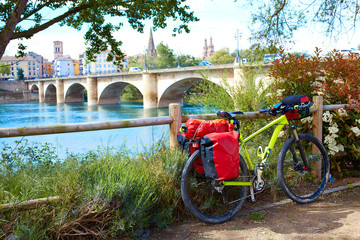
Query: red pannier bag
[
  {"x": 196, "y": 129},
  {"x": 186, "y": 145},
  {"x": 220, "y": 155}
]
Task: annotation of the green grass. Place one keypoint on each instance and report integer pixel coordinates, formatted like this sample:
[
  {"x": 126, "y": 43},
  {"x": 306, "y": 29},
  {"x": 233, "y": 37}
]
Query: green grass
[
  {"x": 256, "y": 216},
  {"x": 106, "y": 193}
]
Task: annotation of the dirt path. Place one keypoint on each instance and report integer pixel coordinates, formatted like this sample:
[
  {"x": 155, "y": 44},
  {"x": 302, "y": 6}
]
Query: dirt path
[{"x": 333, "y": 216}]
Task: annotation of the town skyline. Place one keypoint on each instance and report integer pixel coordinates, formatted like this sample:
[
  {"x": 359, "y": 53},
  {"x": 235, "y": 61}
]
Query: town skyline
[{"x": 230, "y": 16}]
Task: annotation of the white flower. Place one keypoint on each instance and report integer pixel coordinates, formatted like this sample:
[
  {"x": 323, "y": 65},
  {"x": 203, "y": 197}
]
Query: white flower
[
  {"x": 333, "y": 130},
  {"x": 357, "y": 120},
  {"x": 279, "y": 92},
  {"x": 269, "y": 95},
  {"x": 281, "y": 133},
  {"x": 306, "y": 120},
  {"x": 339, "y": 81},
  {"x": 321, "y": 79},
  {"x": 330, "y": 139},
  {"x": 342, "y": 112},
  {"x": 356, "y": 131},
  {"x": 320, "y": 93},
  {"x": 327, "y": 117},
  {"x": 316, "y": 84}
]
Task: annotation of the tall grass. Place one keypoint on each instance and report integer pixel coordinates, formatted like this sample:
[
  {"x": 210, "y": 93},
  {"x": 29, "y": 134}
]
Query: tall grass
[{"x": 104, "y": 193}]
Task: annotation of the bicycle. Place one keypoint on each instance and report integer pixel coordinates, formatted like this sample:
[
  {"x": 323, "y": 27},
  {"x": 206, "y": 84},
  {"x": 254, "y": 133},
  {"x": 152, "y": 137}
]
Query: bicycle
[{"x": 212, "y": 201}]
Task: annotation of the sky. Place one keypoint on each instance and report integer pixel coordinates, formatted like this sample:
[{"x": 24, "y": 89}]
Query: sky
[{"x": 219, "y": 19}]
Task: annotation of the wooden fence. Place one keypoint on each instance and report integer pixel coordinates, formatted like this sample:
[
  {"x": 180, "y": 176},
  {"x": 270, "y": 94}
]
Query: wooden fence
[{"x": 174, "y": 120}]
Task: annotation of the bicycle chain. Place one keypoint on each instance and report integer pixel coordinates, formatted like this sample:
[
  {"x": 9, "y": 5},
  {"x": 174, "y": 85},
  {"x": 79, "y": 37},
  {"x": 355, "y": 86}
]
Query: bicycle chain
[{"x": 237, "y": 200}]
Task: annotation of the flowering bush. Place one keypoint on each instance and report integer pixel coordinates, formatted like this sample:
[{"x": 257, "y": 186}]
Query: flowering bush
[{"x": 337, "y": 79}]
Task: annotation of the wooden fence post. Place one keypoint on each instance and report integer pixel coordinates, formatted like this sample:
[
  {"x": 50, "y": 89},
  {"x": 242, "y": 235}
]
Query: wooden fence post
[
  {"x": 175, "y": 113},
  {"x": 317, "y": 126}
]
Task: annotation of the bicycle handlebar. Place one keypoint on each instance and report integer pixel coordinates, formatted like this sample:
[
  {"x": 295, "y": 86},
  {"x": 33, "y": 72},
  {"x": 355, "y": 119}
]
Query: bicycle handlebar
[{"x": 281, "y": 109}]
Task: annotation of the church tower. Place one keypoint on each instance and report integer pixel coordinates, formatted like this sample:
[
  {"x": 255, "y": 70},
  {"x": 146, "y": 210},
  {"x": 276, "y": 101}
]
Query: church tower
[
  {"x": 210, "y": 51},
  {"x": 205, "y": 50},
  {"x": 151, "y": 51},
  {"x": 58, "y": 49}
]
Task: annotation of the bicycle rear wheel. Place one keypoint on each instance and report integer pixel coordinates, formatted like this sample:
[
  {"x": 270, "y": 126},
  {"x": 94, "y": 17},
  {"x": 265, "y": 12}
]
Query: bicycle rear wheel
[
  {"x": 204, "y": 202},
  {"x": 302, "y": 184}
]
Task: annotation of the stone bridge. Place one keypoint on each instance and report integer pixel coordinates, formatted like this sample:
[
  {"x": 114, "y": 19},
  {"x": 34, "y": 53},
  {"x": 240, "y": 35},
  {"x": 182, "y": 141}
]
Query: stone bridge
[{"x": 158, "y": 87}]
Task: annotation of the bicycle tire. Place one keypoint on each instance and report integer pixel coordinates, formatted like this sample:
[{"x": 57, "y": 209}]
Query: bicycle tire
[
  {"x": 298, "y": 183},
  {"x": 203, "y": 201}
]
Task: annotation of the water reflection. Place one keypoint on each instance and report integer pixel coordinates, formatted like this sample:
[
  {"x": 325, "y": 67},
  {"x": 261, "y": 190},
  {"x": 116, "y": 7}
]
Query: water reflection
[{"x": 35, "y": 114}]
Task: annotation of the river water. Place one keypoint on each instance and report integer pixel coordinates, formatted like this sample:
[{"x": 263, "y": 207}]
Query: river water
[{"x": 35, "y": 114}]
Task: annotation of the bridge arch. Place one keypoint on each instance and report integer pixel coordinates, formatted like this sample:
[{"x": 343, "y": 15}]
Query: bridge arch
[
  {"x": 175, "y": 92},
  {"x": 34, "y": 88},
  {"x": 111, "y": 94},
  {"x": 50, "y": 93},
  {"x": 75, "y": 93}
]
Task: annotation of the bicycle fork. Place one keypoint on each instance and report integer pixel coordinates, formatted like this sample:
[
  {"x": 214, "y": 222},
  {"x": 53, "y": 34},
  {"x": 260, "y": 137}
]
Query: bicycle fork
[{"x": 297, "y": 163}]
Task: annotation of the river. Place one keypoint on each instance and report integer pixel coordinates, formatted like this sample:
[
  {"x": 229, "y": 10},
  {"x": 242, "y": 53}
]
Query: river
[{"x": 35, "y": 114}]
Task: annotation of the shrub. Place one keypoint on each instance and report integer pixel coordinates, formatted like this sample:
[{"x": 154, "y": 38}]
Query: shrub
[{"x": 337, "y": 79}]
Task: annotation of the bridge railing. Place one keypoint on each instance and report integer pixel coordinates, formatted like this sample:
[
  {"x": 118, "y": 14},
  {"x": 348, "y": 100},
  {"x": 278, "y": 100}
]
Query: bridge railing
[{"x": 174, "y": 120}]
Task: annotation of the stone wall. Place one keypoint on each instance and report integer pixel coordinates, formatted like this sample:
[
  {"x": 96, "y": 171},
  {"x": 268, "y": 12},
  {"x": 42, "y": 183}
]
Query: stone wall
[
  {"x": 15, "y": 91},
  {"x": 15, "y": 86}
]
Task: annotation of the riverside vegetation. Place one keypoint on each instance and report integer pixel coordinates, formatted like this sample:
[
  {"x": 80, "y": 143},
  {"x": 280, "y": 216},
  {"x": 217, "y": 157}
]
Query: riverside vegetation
[{"x": 103, "y": 193}]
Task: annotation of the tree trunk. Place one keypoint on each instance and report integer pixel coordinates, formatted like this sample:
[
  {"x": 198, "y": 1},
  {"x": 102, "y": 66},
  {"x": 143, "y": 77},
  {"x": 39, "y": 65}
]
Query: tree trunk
[{"x": 11, "y": 23}]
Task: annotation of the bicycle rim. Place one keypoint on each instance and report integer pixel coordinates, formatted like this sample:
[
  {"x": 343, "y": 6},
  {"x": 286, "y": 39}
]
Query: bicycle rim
[
  {"x": 300, "y": 184},
  {"x": 206, "y": 203}
]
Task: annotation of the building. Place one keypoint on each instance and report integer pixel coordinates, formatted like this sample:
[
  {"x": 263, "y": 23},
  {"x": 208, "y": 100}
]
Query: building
[
  {"x": 58, "y": 49},
  {"x": 40, "y": 59},
  {"x": 101, "y": 66},
  {"x": 81, "y": 63},
  {"x": 64, "y": 66},
  {"x": 208, "y": 50},
  {"x": 151, "y": 50},
  {"x": 30, "y": 66},
  {"x": 76, "y": 68},
  {"x": 48, "y": 69}
]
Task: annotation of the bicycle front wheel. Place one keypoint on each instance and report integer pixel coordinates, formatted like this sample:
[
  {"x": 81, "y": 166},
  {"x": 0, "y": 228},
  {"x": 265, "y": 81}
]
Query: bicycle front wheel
[
  {"x": 204, "y": 201},
  {"x": 303, "y": 168}
]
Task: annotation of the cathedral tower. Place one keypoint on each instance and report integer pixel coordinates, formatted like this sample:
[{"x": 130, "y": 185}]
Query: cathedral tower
[
  {"x": 151, "y": 51},
  {"x": 205, "y": 50}
]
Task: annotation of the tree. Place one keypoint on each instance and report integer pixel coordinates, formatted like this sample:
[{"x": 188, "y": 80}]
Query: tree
[
  {"x": 278, "y": 19},
  {"x": 131, "y": 93},
  {"x": 89, "y": 13},
  {"x": 166, "y": 56},
  {"x": 5, "y": 68},
  {"x": 188, "y": 60},
  {"x": 222, "y": 55},
  {"x": 20, "y": 74}
]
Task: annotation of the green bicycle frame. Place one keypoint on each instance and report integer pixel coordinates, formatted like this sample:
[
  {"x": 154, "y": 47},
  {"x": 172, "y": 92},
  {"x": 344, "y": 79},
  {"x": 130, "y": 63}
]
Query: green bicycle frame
[{"x": 281, "y": 122}]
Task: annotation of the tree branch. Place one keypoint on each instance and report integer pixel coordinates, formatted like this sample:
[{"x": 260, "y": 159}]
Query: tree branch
[{"x": 29, "y": 33}]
